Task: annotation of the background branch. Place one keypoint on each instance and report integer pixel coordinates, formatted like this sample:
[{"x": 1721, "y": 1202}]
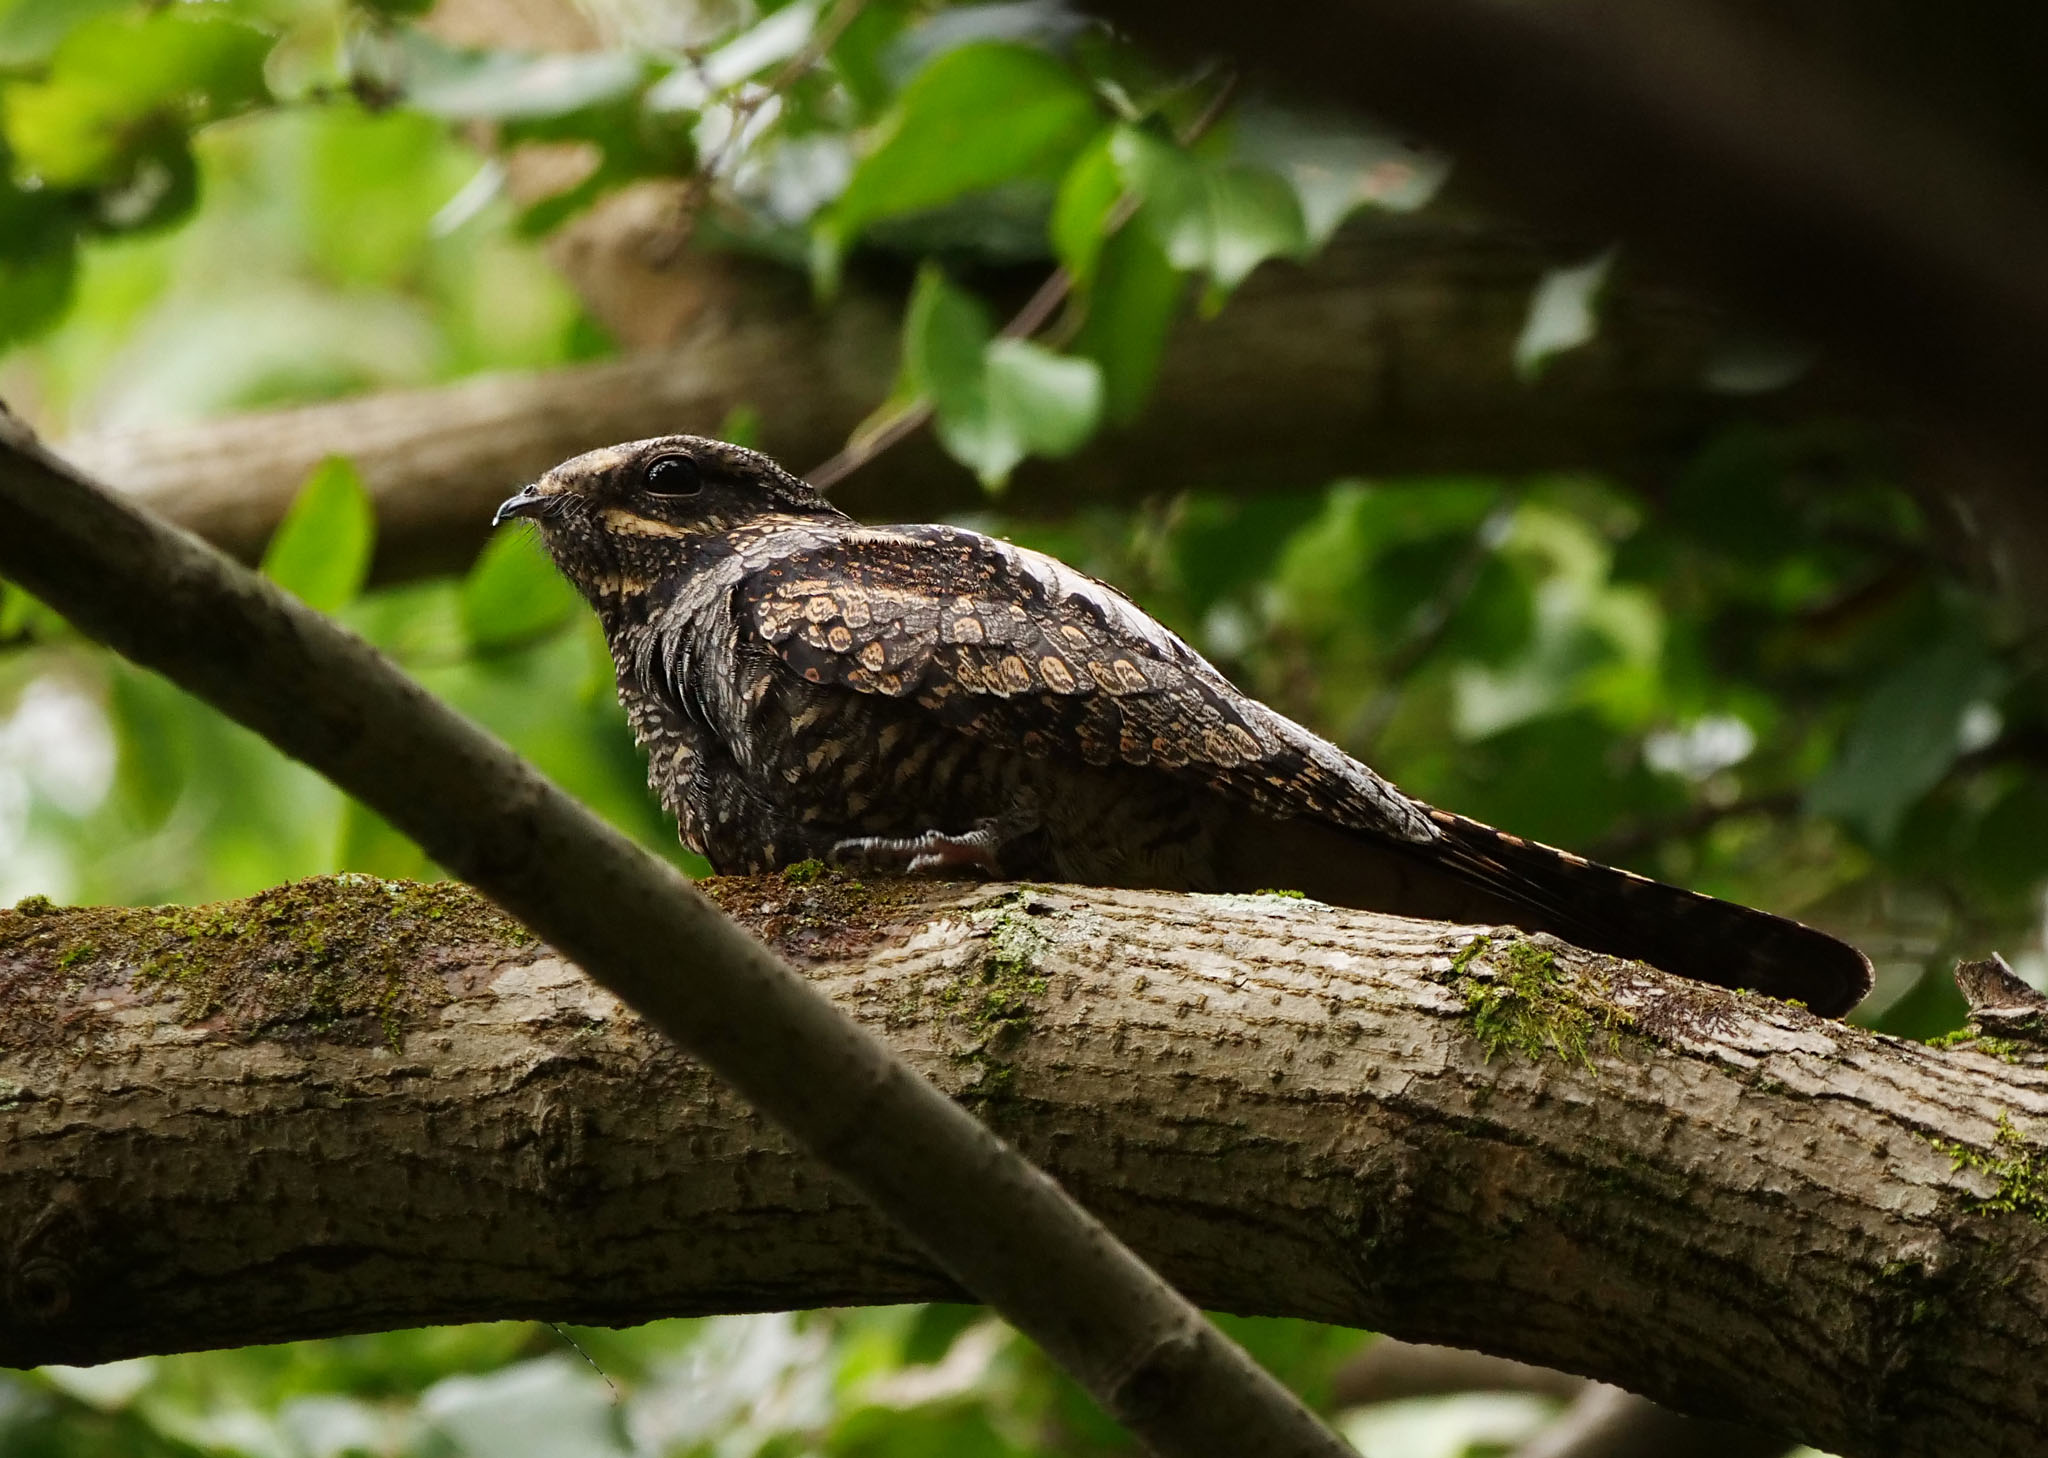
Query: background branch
[
  {"x": 1391, "y": 353},
  {"x": 355, "y": 1104}
]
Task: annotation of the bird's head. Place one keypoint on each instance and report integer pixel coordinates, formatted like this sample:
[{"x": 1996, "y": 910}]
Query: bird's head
[{"x": 617, "y": 519}]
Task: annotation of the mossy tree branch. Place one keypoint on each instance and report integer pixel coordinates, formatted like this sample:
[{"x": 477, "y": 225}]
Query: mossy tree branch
[
  {"x": 348, "y": 1104},
  {"x": 1001, "y": 1227}
]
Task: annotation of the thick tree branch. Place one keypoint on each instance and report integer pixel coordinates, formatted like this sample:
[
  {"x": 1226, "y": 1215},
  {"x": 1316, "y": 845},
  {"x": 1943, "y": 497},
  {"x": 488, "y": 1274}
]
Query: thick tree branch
[
  {"x": 999, "y": 1225},
  {"x": 1392, "y": 353},
  {"x": 348, "y": 1105}
]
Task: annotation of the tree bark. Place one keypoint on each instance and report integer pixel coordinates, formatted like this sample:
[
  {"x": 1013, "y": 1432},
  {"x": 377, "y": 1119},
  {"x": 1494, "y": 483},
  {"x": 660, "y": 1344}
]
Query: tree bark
[
  {"x": 1392, "y": 353},
  {"x": 348, "y": 1105}
]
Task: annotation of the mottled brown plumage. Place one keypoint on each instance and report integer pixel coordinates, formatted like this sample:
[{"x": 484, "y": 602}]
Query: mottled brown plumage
[{"x": 928, "y": 698}]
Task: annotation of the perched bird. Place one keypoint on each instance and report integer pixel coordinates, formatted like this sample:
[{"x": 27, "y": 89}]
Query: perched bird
[{"x": 926, "y": 698}]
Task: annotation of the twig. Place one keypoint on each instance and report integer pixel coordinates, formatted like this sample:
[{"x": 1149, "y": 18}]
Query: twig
[
  {"x": 1001, "y": 1227},
  {"x": 1038, "y": 310}
]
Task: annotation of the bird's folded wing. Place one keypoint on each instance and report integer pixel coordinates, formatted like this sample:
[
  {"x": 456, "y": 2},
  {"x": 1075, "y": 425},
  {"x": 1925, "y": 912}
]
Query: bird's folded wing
[{"x": 1017, "y": 649}]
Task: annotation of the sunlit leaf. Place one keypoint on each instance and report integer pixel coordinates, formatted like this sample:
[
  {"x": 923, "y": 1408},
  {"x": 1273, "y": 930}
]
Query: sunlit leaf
[
  {"x": 321, "y": 550},
  {"x": 23, "y": 616},
  {"x": 1221, "y": 218},
  {"x": 773, "y": 39},
  {"x": 996, "y": 401},
  {"x": 514, "y": 594},
  {"x": 545, "y": 1408},
  {"x": 31, "y": 29},
  {"x": 479, "y": 85},
  {"x": 1052, "y": 401},
  {"x": 119, "y": 84},
  {"x": 1336, "y": 164},
  {"x": 1563, "y": 313},
  {"x": 975, "y": 117}
]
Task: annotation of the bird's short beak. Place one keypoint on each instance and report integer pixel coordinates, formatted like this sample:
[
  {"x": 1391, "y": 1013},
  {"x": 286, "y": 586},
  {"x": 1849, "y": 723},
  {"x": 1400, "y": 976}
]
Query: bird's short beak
[{"x": 529, "y": 500}]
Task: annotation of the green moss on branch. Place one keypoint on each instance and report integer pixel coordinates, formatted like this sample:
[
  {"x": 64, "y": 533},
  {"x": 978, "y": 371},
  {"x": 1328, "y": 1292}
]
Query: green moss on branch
[
  {"x": 1520, "y": 999},
  {"x": 326, "y": 954},
  {"x": 2020, "y": 1169}
]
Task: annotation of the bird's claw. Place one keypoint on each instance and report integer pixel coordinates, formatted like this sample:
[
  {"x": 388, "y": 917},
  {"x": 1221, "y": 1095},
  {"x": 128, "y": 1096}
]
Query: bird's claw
[{"x": 930, "y": 853}]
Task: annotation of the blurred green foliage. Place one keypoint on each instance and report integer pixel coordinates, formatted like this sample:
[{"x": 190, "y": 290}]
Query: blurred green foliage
[
  {"x": 887, "y": 1382},
  {"x": 1763, "y": 679}
]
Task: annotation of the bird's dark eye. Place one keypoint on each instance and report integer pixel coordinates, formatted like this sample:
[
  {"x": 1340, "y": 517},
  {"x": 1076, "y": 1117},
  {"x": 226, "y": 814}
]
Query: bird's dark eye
[{"x": 672, "y": 476}]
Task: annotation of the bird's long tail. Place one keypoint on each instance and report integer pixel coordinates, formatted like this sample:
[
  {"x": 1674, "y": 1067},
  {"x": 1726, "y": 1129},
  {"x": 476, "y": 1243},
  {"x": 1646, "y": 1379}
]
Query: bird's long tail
[{"x": 1474, "y": 873}]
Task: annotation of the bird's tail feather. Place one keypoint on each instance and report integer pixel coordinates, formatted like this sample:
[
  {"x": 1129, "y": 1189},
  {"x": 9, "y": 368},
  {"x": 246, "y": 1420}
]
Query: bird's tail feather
[
  {"x": 1616, "y": 911},
  {"x": 1474, "y": 873}
]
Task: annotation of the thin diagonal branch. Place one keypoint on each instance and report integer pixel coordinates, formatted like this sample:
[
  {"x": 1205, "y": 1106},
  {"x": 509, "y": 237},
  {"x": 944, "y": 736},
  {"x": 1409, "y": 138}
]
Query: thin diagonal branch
[{"x": 999, "y": 1225}]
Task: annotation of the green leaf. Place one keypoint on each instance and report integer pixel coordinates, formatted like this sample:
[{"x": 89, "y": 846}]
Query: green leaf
[
  {"x": 35, "y": 289},
  {"x": 1905, "y": 737},
  {"x": 995, "y": 401},
  {"x": 514, "y": 594},
  {"x": 23, "y": 616},
  {"x": 1087, "y": 201},
  {"x": 741, "y": 425},
  {"x": 1223, "y": 219},
  {"x": 860, "y": 57},
  {"x": 945, "y": 331},
  {"x": 31, "y": 29},
  {"x": 120, "y": 83},
  {"x": 1131, "y": 303},
  {"x": 1337, "y": 164},
  {"x": 975, "y": 117},
  {"x": 321, "y": 550},
  {"x": 1052, "y": 401},
  {"x": 776, "y": 38},
  {"x": 368, "y": 844}
]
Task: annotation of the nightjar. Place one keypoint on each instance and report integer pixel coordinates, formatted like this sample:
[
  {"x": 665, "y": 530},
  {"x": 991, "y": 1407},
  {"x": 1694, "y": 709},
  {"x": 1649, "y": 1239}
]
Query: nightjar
[{"x": 929, "y": 699}]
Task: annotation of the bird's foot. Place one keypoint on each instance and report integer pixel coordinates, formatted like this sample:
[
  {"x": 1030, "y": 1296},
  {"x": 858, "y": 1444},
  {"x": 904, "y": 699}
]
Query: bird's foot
[{"x": 930, "y": 853}]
